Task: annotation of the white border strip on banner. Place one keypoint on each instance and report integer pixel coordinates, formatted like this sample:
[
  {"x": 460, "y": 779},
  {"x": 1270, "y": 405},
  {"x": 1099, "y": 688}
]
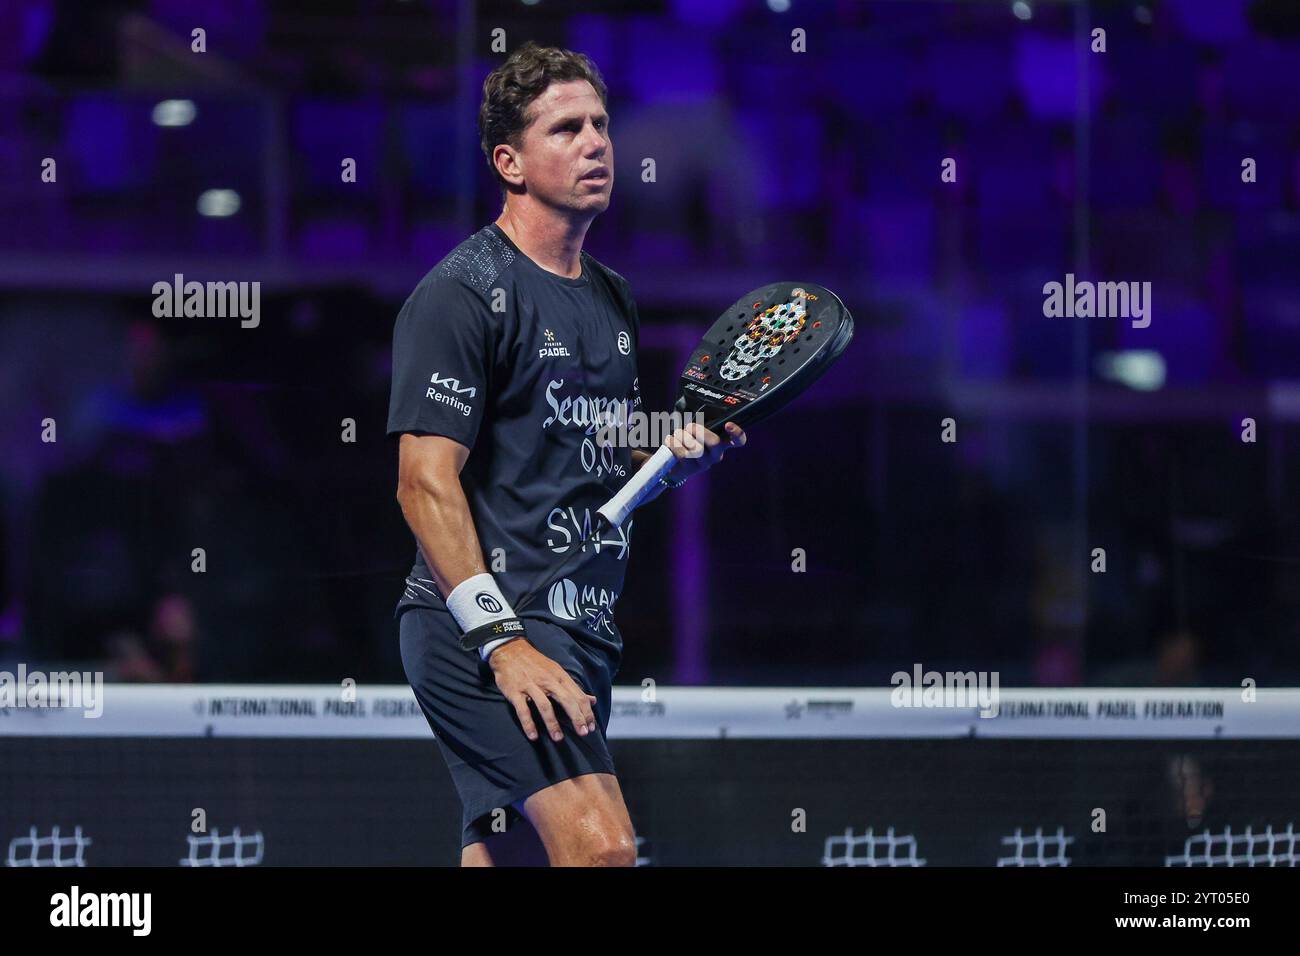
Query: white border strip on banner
[{"x": 328, "y": 711}]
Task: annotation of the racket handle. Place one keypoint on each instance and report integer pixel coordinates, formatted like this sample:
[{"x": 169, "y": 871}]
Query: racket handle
[{"x": 616, "y": 510}]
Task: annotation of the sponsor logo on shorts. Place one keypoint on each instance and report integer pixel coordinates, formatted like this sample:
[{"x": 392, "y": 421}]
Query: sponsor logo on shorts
[{"x": 624, "y": 343}]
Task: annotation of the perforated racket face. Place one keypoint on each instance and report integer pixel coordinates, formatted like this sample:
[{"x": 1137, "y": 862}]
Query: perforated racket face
[{"x": 763, "y": 352}]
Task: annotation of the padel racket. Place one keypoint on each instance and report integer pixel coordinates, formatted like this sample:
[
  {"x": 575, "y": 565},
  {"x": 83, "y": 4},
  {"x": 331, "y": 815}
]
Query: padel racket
[{"x": 761, "y": 354}]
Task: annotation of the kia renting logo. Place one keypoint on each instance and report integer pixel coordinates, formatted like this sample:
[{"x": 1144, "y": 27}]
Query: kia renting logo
[
  {"x": 469, "y": 391},
  {"x": 453, "y": 385}
]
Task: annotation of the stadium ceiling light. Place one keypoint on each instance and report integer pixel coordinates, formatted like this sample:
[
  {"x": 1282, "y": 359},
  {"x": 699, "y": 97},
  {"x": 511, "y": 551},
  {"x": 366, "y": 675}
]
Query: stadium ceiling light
[
  {"x": 1022, "y": 10},
  {"x": 218, "y": 202},
  {"x": 1140, "y": 369},
  {"x": 174, "y": 113}
]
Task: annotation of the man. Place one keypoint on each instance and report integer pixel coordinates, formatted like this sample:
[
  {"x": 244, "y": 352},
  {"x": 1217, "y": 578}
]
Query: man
[{"x": 508, "y": 358}]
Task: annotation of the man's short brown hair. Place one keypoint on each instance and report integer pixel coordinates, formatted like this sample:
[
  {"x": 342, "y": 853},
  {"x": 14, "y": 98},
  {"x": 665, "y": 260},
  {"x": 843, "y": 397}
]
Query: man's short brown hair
[{"x": 511, "y": 88}]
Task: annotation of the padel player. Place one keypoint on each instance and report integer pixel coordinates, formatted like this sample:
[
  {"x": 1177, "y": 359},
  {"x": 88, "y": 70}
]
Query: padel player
[{"x": 508, "y": 359}]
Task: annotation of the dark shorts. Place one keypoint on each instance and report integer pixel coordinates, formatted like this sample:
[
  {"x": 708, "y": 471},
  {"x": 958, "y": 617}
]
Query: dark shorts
[{"x": 492, "y": 763}]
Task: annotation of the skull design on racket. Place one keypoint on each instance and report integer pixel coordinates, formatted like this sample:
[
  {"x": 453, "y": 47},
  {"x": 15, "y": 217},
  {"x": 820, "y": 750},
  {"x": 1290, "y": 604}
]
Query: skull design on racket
[{"x": 766, "y": 333}]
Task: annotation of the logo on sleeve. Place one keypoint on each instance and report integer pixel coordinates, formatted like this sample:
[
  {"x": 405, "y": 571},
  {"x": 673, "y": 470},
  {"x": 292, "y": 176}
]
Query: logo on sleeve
[
  {"x": 452, "y": 385},
  {"x": 624, "y": 343},
  {"x": 553, "y": 348},
  {"x": 469, "y": 391}
]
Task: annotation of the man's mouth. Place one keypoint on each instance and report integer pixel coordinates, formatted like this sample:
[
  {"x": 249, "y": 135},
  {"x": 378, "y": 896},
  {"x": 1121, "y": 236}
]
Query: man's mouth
[{"x": 597, "y": 175}]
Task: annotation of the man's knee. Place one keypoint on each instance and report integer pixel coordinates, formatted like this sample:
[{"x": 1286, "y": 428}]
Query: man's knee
[
  {"x": 621, "y": 855},
  {"x": 603, "y": 842},
  {"x": 583, "y": 822}
]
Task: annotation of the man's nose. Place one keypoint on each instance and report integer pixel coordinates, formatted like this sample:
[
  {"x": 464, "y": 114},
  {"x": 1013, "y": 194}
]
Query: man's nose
[{"x": 596, "y": 142}]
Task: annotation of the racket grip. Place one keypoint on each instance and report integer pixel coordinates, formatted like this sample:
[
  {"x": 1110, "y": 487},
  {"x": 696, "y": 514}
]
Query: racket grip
[{"x": 616, "y": 510}]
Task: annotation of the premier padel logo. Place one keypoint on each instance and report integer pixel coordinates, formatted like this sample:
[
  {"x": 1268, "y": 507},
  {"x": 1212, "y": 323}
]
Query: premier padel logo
[{"x": 553, "y": 348}]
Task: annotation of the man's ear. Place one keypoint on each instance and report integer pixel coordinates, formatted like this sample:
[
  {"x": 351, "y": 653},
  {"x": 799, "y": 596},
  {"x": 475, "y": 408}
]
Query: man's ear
[{"x": 508, "y": 164}]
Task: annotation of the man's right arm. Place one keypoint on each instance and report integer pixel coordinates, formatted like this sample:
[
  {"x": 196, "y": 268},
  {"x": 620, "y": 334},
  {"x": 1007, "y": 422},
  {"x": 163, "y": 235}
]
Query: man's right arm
[
  {"x": 443, "y": 352},
  {"x": 434, "y": 505}
]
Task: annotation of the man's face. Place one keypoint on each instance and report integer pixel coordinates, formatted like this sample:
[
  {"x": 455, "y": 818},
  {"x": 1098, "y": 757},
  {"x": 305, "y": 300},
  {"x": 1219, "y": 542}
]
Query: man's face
[{"x": 567, "y": 157}]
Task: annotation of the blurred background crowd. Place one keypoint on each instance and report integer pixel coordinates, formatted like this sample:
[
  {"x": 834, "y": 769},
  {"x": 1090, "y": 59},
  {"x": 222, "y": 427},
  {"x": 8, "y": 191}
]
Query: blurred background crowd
[{"x": 1072, "y": 434}]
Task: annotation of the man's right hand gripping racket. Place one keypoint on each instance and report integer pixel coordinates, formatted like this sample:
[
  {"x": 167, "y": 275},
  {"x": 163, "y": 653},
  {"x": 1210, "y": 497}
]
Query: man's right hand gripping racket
[{"x": 759, "y": 356}]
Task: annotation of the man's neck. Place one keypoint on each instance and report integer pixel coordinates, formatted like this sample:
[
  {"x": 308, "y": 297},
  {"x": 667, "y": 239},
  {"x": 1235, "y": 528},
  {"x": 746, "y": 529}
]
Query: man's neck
[{"x": 553, "y": 242}]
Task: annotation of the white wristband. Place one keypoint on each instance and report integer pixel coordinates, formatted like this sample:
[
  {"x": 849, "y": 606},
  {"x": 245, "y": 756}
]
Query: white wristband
[{"x": 477, "y": 601}]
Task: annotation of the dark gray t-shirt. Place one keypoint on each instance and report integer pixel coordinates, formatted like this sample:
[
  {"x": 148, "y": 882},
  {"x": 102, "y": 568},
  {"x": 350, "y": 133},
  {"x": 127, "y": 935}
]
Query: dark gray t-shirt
[{"x": 524, "y": 367}]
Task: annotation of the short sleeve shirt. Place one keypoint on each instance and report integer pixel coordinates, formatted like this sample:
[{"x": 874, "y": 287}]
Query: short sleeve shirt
[{"x": 525, "y": 367}]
